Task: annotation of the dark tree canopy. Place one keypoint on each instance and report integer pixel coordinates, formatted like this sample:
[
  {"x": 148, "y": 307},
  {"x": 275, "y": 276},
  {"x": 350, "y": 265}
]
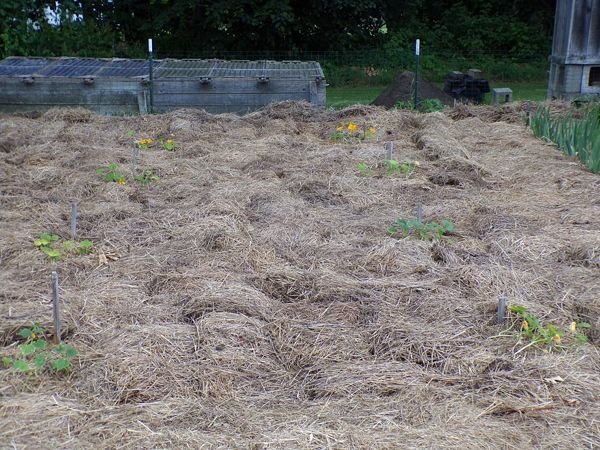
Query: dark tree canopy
[{"x": 192, "y": 27}]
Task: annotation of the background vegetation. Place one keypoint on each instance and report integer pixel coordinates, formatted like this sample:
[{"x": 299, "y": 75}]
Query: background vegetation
[{"x": 358, "y": 42}]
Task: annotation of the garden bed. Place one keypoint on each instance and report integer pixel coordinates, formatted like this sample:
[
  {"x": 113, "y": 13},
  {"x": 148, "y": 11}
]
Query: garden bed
[{"x": 252, "y": 296}]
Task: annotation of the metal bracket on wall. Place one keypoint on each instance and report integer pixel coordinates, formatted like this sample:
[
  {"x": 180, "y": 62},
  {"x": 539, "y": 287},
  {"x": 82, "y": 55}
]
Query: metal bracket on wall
[
  {"x": 88, "y": 81},
  {"x": 263, "y": 79},
  {"x": 28, "y": 80},
  {"x": 205, "y": 80},
  {"x": 319, "y": 79}
]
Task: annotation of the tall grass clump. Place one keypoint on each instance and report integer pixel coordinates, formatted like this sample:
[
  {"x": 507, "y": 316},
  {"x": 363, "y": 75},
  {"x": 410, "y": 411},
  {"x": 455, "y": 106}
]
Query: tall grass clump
[{"x": 579, "y": 138}]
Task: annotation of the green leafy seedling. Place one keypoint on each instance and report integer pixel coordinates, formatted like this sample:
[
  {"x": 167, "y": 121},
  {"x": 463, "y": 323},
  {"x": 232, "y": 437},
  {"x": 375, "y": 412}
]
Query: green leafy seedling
[
  {"x": 426, "y": 231},
  {"x": 169, "y": 145},
  {"x": 36, "y": 353},
  {"x": 111, "y": 173},
  {"x": 45, "y": 240},
  {"x": 51, "y": 246},
  {"x": 532, "y": 329},
  {"x": 364, "y": 169},
  {"x": 393, "y": 166},
  {"x": 147, "y": 177},
  {"x": 85, "y": 247}
]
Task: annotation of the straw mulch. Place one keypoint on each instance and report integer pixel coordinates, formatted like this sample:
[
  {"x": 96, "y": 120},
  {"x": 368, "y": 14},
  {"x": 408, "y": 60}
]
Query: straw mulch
[{"x": 252, "y": 298}]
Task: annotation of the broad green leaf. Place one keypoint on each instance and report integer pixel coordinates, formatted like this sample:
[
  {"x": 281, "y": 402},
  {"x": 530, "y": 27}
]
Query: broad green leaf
[
  {"x": 7, "y": 361},
  {"x": 40, "y": 344},
  {"x": 40, "y": 360},
  {"x": 517, "y": 309},
  {"x": 37, "y": 328},
  {"x": 41, "y": 242},
  {"x": 583, "y": 325},
  {"x": 448, "y": 226},
  {"x": 70, "y": 351},
  {"x": 25, "y": 333},
  {"x": 27, "y": 349},
  {"x": 61, "y": 364},
  {"x": 86, "y": 243},
  {"x": 21, "y": 365},
  {"x": 53, "y": 254}
]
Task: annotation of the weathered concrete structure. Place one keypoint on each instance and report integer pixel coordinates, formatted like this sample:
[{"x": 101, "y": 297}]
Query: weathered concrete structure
[
  {"x": 575, "y": 60},
  {"x": 122, "y": 86}
]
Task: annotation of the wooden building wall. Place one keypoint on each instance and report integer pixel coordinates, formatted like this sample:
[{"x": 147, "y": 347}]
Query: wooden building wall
[{"x": 575, "y": 56}]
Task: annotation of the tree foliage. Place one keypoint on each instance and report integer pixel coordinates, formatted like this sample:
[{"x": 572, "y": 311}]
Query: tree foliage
[{"x": 192, "y": 27}]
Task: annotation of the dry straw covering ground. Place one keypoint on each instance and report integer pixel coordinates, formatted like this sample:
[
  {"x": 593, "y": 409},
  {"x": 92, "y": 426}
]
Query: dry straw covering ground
[{"x": 252, "y": 298}]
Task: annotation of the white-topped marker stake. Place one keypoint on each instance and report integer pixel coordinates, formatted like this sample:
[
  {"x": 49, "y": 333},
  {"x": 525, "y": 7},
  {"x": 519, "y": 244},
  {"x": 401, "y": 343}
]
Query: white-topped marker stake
[
  {"x": 417, "y": 54},
  {"x": 151, "y": 75}
]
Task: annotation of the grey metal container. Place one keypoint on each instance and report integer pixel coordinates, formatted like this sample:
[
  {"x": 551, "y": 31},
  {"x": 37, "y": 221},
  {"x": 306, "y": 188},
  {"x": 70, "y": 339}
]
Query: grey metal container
[
  {"x": 575, "y": 60},
  {"x": 122, "y": 86}
]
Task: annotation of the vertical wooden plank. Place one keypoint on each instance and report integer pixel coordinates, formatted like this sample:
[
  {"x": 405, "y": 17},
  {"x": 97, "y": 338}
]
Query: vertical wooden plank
[
  {"x": 55, "y": 307},
  {"x": 73, "y": 220}
]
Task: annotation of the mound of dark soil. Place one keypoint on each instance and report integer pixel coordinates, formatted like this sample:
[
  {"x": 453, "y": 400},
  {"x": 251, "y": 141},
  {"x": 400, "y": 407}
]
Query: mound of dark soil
[{"x": 401, "y": 90}]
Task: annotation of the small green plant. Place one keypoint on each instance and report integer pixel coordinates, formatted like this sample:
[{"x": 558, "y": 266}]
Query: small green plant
[
  {"x": 533, "y": 330},
  {"x": 37, "y": 354},
  {"x": 45, "y": 243},
  {"x": 145, "y": 143},
  {"x": 365, "y": 169},
  {"x": 140, "y": 143},
  {"x": 111, "y": 174},
  {"x": 52, "y": 246},
  {"x": 85, "y": 247},
  {"x": 351, "y": 131},
  {"x": 147, "y": 177},
  {"x": 431, "y": 105},
  {"x": 427, "y": 105},
  {"x": 416, "y": 228},
  {"x": 406, "y": 168},
  {"x": 403, "y": 104},
  {"x": 169, "y": 145}
]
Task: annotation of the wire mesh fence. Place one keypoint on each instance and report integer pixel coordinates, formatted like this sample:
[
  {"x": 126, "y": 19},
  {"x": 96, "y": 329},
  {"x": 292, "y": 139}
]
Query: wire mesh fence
[{"x": 378, "y": 65}]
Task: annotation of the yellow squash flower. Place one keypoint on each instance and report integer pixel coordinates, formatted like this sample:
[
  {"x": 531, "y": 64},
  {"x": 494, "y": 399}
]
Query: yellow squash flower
[
  {"x": 122, "y": 181},
  {"x": 573, "y": 326},
  {"x": 352, "y": 127},
  {"x": 525, "y": 326},
  {"x": 556, "y": 338}
]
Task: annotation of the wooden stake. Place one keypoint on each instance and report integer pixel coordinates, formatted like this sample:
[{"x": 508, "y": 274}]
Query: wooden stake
[
  {"x": 501, "y": 309},
  {"x": 420, "y": 214},
  {"x": 73, "y": 220},
  {"x": 389, "y": 150},
  {"x": 55, "y": 307}
]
